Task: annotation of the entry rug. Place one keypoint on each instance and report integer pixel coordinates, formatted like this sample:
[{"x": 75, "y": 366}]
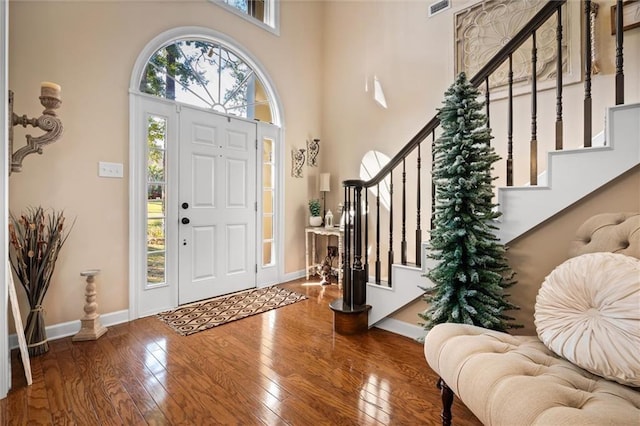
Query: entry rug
[{"x": 199, "y": 316}]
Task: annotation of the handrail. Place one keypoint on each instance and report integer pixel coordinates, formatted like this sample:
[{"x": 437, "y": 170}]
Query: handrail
[
  {"x": 355, "y": 260},
  {"x": 496, "y": 61}
]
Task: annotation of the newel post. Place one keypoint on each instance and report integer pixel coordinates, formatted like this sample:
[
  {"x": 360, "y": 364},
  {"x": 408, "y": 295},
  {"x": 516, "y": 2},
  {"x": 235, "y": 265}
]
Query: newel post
[
  {"x": 351, "y": 313},
  {"x": 358, "y": 272}
]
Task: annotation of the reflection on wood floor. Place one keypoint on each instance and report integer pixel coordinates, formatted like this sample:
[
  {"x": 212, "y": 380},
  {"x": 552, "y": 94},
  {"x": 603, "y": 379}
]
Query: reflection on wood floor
[{"x": 284, "y": 366}]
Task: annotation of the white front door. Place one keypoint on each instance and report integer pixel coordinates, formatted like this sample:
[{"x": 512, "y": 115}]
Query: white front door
[{"x": 217, "y": 205}]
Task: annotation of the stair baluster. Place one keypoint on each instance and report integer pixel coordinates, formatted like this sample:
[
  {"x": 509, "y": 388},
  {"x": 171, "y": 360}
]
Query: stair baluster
[
  {"x": 587, "y": 78},
  {"x": 533, "y": 173},
  {"x": 510, "y": 126},
  {"x": 619, "y": 56},
  {"x": 559, "y": 135},
  {"x": 403, "y": 243},
  {"x": 418, "y": 230},
  {"x": 487, "y": 100},
  {"x": 347, "y": 284},
  {"x": 378, "y": 264},
  {"x": 433, "y": 184},
  {"x": 359, "y": 279},
  {"x": 390, "y": 259},
  {"x": 366, "y": 235}
]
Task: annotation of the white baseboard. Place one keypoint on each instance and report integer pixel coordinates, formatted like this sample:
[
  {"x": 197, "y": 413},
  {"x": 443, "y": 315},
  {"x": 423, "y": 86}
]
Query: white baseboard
[
  {"x": 402, "y": 328},
  {"x": 58, "y": 331},
  {"x": 293, "y": 276}
]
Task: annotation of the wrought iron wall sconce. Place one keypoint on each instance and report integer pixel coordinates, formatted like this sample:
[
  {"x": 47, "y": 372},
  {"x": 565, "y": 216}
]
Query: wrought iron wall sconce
[
  {"x": 297, "y": 161},
  {"x": 313, "y": 148},
  {"x": 48, "y": 121}
]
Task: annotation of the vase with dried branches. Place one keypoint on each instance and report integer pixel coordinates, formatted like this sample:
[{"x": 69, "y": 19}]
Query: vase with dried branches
[{"x": 37, "y": 237}]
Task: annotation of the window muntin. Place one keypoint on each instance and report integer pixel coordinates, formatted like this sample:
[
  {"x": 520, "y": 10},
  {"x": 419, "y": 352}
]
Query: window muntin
[{"x": 206, "y": 75}]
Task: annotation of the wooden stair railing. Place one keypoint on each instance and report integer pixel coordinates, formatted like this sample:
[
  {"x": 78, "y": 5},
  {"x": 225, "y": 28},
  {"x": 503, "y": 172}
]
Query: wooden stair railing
[{"x": 355, "y": 261}]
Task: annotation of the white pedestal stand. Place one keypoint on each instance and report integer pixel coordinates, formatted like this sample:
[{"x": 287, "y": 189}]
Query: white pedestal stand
[{"x": 91, "y": 328}]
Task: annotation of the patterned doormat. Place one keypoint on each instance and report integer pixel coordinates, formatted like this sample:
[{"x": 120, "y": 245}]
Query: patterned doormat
[{"x": 199, "y": 316}]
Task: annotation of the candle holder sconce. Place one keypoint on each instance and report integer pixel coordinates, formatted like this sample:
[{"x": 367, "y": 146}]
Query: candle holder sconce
[
  {"x": 48, "y": 121},
  {"x": 313, "y": 148},
  {"x": 297, "y": 161}
]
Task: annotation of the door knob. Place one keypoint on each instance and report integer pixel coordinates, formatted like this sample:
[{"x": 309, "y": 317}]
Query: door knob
[
  {"x": 185, "y": 205},
  {"x": 185, "y": 220}
]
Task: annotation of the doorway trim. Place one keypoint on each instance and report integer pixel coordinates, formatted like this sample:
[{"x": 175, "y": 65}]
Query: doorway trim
[
  {"x": 137, "y": 158},
  {"x": 5, "y": 364}
]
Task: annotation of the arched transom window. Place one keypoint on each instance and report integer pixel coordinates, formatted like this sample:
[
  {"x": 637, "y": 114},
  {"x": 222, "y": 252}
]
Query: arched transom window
[{"x": 207, "y": 75}]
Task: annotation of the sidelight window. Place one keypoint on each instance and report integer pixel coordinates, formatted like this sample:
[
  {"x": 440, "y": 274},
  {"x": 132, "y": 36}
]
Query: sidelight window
[{"x": 156, "y": 199}]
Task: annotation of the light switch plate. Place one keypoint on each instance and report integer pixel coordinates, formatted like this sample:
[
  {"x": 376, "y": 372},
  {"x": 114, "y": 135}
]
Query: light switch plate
[{"x": 112, "y": 170}]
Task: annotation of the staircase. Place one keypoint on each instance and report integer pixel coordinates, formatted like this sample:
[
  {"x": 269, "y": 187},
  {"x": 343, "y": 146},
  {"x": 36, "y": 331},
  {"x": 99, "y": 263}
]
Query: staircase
[{"x": 570, "y": 176}]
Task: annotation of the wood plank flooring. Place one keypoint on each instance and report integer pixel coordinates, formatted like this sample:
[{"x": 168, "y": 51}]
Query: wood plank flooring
[{"x": 282, "y": 367}]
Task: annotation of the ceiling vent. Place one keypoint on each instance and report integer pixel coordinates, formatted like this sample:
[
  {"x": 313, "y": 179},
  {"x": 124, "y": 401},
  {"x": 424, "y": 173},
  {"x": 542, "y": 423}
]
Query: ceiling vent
[{"x": 439, "y": 6}]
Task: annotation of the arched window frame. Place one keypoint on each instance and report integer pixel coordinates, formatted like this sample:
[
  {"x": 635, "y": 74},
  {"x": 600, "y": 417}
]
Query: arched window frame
[{"x": 206, "y": 75}]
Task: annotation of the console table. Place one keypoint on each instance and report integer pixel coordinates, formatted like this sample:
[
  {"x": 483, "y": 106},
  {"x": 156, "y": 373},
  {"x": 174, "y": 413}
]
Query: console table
[{"x": 310, "y": 262}]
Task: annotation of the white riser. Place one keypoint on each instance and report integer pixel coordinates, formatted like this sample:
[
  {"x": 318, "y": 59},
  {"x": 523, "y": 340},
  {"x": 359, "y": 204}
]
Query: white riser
[
  {"x": 572, "y": 174},
  {"x": 407, "y": 281}
]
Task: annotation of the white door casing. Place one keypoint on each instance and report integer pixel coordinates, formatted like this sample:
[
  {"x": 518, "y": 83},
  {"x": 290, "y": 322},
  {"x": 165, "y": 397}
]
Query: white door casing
[
  {"x": 217, "y": 197},
  {"x": 269, "y": 273},
  {"x": 145, "y": 299},
  {"x": 5, "y": 365}
]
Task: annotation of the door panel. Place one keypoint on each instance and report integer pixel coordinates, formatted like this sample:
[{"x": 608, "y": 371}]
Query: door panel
[
  {"x": 236, "y": 242},
  {"x": 237, "y": 184},
  {"x": 203, "y": 169},
  {"x": 217, "y": 253},
  {"x": 203, "y": 245},
  {"x": 238, "y": 140}
]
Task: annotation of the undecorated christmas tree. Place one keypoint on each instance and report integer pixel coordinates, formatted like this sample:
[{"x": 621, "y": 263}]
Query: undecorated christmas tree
[{"x": 472, "y": 273}]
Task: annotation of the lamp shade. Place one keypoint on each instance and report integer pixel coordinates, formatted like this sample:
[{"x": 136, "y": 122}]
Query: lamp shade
[{"x": 325, "y": 182}]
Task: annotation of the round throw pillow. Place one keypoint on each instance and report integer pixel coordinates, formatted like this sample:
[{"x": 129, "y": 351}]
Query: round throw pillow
[{"x": 588, "y": 312}]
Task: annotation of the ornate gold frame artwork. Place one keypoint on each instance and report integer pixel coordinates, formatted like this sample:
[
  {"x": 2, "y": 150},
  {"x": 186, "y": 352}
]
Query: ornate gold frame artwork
[
  {"x": 630, "y": 15},
  {"x": 484, "y": 28}
]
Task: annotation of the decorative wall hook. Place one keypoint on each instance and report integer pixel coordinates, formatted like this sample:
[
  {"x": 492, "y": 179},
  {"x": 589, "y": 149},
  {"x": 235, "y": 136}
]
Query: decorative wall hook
[
  {"x": 48, "y": 121},
  {"x": 297, "y": 161},
  {"x": 313, "y": 148}
]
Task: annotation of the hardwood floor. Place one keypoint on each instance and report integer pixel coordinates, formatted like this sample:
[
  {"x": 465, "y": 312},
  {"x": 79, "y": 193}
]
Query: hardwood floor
[{"x": 284, "y": 366}]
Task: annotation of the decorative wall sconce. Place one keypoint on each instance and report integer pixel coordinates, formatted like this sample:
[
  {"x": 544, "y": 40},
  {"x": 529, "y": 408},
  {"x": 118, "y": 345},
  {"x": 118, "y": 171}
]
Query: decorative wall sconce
[
  {"x": 313, "y": 148},
  {"x": 297, "y": 161},
  {"x": 48, "y": 121}
]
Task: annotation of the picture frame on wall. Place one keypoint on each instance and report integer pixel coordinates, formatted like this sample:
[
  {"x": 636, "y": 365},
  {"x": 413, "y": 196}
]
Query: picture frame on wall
[
  {"x": 630, "y": 16},
  {"x": 481, "y": 30}
]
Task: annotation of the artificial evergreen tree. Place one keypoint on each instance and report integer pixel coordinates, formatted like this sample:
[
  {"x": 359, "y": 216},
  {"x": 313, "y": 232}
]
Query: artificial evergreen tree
[{"x": 472, "y": 272}]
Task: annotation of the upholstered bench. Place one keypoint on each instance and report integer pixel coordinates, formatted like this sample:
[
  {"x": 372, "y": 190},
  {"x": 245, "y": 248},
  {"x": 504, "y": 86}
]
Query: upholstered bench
[{"x": 587, "y": 318}]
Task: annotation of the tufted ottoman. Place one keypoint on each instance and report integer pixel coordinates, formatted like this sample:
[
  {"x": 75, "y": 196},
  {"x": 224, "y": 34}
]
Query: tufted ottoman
[{"x": 516, "y": 380}]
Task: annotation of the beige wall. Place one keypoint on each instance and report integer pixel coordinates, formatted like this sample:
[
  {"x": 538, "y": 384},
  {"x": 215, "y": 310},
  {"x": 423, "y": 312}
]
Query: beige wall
[{"x": 90, "y": 49}]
